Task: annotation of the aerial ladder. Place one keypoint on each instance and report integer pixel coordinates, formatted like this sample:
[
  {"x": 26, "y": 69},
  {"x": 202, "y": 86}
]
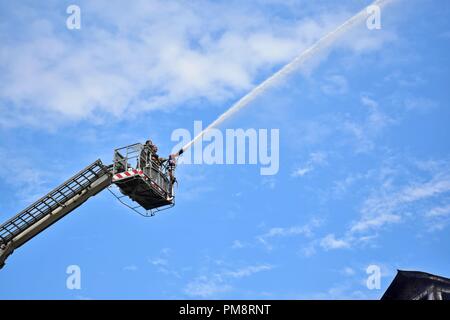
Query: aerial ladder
[{"x": 135, "y": 179}]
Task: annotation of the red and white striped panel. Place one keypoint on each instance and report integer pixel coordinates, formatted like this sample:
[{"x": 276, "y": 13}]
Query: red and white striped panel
[{"x": 127, "y": 174}]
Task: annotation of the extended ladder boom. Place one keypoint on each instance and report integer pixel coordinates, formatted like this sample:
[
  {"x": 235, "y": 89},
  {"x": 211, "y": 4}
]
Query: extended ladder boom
[{"x": 52, "y": 207}]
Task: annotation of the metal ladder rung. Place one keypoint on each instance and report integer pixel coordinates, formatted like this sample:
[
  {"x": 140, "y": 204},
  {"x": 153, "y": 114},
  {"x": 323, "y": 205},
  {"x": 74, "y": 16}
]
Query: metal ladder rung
[
  {"x": 95, "y": 171},
  {"x": 31, "y": 218},
  {"x": 6, "y": 229},
  {"x": 23, "y": 221},
  {"x": 47, "y": 202},
  {"x": 38, "y": 206},
  {"x": 73, "y": 191},
  {"x": 54, "y": 199},
  {"x": 61, "y": 192},
  {"x": 37, "y": 209},
  {"x": 85, "y": 178},
  {"x": 76, "y": 182},
  {"x": 48, "y": 206}
]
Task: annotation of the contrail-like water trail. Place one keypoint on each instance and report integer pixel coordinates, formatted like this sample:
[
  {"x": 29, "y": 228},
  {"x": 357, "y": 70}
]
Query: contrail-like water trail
[{"x": 321, "y": 44}]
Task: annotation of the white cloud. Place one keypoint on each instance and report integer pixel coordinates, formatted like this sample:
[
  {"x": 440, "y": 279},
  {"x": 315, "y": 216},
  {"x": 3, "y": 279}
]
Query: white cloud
[
  {"x": 369, "y": 102},
  {"x": 29, "y": 180},
  {"x": 304, "y": 230},
  {"x": 419, "y": 104},
  {"x": 269, "y": 182},
  {"x": 315, "y": 160},
  {"x": 308, "y": 250},
  {"x": 348, "y": 271},
  {"x": 438, "y": 212},
  {"x": 342, "y": 186},
  {"x": 284, "y": 232},
  {"x": 207, "y": 286},
  {"x": 162, "y": 265},
  {"x": 366, "y": 131},
  {"x": 130, "y": 268},
  {"x": 381, "y": 210},
  {"x": 237, "y": 245},
  {"x": 363, "y": 142},
  {"x": 438, "y": 217},
  {"x": 392, "y": 203},
  {"x": 141, "y": 61},
  {"x": 195, "y": 192},
  {"x": 405, "y": 80},
  {"x": 248, "y": 271},
  {"x": 335, "y": 85},
  {"x": 158, "y": 262},
  {"x": 330, "y": 242},
  {"x": 375, "y": 222}
]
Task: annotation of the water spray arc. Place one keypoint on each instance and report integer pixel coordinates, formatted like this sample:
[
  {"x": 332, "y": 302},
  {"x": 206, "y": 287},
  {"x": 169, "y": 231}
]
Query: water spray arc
[{"x": 287, "y": 69}]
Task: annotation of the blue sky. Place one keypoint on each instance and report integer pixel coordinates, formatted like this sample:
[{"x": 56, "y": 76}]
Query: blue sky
[{"x": 364, "y": 173}]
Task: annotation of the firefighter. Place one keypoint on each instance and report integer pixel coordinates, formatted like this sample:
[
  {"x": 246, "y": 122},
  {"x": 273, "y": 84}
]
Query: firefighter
[
  {"x": 146, "y": 153},
  {"x": 171, "y": 164},
  {"x": 156, "y": 159}
]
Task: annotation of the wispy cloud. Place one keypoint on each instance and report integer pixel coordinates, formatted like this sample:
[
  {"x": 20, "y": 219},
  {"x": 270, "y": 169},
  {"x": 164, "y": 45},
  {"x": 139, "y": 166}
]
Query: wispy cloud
[
  {"x": 269, "y": 182},
  {"x": 131, "y": 268},
  {"x": 207, "y": 286},
  {"x": 330, "y": 242},
  {"x": 162, "y": 265},
  {"x": 352, "y": 284},
  {"x": 237, "y": 245},
  {"x": 389, "y": 208},
  {"x": 405, "y": 80},
  {"x": 375, "y": 221},
  {"x": 420, "y": 104},
  {"x": 394, "y": 203},
  {"x": 348, "y": 271},
  {"x": 366, "y": 131},
  {"x": 315, "y": 160},
  {"x": 247, "y": 271},
  {"x": 159, "y": 262},
  {"x": 305, "y": 230},
  {"x": 342, "y": 186},
  {"x": 27, "y": 178},
  {"x": 438, "y": 212},
  {"x": 195, "y": 192},
  {"x": 438, "y": 217},
  {"x": 335, "y": 85}
]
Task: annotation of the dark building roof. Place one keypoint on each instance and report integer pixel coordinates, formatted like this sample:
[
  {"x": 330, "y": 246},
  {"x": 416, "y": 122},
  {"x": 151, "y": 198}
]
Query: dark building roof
[{"x": 416, "y": 285}]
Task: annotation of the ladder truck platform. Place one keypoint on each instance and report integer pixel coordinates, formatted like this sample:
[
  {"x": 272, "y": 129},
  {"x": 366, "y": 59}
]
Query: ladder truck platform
[{"x": 138, "y": 178}]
